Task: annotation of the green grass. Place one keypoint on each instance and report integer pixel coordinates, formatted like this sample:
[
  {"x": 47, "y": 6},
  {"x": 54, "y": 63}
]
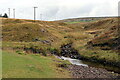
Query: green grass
[
  {"x": 31, "y": 66},
  {"x": 100, "y": 54}
]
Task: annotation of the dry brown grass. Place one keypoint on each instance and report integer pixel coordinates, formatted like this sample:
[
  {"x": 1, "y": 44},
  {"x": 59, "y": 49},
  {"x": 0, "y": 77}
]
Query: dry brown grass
[{"x": 58, "y": 33}]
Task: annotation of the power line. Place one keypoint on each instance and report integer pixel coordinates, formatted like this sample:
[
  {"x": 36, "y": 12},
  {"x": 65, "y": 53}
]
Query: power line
[{"x": 35, "y": 13}]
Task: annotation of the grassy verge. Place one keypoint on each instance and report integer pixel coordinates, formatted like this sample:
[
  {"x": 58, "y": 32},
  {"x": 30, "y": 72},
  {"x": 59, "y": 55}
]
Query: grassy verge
[{"x": 31, "y": 66}]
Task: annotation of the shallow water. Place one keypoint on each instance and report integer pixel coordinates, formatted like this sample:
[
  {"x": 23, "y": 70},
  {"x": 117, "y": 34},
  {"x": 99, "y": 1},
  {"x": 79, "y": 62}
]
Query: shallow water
[
  {"x": 87, "y": 63},
  {"x": 74, "y": 61}
]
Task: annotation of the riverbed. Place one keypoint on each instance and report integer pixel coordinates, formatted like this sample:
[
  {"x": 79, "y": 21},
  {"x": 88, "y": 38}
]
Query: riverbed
[
  {"x": 91, "y": 64},
  {"x": 83, "y": 69}
]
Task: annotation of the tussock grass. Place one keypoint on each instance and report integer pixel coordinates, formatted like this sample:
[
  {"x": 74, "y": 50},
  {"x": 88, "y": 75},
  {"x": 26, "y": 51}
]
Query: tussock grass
[{"x": 19, "y": 34}]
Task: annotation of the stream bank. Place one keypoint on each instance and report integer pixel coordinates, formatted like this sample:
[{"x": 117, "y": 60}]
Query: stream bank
[
  {"x": 69, "y": 52},
  {"x": 79, "y": 69}
]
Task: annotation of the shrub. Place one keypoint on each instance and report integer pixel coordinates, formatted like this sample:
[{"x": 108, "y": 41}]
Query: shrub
[{"x": 5, "y": 15}]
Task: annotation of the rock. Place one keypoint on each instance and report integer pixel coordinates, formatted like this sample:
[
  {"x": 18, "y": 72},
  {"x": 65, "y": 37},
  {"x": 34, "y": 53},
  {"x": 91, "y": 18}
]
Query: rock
[
  {"x": 90, "y": 72},
  {"x": 68, "y": 51},
  {"x": 43, "y": 30}
]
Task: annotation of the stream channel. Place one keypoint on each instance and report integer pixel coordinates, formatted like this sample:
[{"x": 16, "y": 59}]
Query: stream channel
[{"x": 92, "y": 64}]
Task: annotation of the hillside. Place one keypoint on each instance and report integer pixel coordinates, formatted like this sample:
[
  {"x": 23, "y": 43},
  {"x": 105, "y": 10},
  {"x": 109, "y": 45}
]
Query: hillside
[
  {"x": 95, "y": 41},
  {"x": 84, "y": 19},
  {"x": 27, "y": 30},
  {"x": 106, "y": 34}
]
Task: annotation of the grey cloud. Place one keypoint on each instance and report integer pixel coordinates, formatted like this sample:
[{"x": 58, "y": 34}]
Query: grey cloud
[{"x": 60, "y": 9}]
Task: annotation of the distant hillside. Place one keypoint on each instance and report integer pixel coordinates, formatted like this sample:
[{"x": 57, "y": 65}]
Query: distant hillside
[{"x": 84, "y": 19}]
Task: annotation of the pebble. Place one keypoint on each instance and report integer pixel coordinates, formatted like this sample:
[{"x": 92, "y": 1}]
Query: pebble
[{"x": 89, "y": 72}]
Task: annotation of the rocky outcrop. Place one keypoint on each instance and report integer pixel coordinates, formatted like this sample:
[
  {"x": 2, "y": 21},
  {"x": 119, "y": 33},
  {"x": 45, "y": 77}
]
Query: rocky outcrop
[{"x": 68, "y": 51}]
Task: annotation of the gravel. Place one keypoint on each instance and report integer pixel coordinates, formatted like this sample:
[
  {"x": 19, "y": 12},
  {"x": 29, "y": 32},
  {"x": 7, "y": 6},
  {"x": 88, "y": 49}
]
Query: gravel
[{"x": 91, "y": 72}]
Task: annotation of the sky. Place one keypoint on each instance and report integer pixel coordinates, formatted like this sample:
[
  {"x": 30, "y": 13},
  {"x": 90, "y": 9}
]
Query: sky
[{"x": 50, "y": 10}]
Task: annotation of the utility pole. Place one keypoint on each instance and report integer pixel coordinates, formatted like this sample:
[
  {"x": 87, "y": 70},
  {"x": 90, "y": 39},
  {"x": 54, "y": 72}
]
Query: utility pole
[
  {"x": 41, "y": 16},
  {"x": 13, "y": 13},
  {"x": 35, "y": 13},
  {"x": 9, "y": 12}
]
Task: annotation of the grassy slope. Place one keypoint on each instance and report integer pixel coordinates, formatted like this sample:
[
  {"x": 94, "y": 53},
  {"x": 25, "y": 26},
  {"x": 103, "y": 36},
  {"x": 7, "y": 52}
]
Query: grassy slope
[
  {"x": 15, "y": 31},
  {"x": 98, "y": 32},
  {"x": 107, "y": 33},
  {"x": 31, "y": 66}
]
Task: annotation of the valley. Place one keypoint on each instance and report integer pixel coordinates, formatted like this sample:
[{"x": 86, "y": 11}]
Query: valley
[{"x": 26, "y": 43}]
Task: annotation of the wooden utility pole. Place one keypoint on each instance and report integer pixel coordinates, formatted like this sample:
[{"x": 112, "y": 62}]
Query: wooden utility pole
[
  {"x": 9, "y": 12},
  {"x": 41, "y": 16},
  {"x": 13, "y": 13},
  {"x": 35, "y": 13}
]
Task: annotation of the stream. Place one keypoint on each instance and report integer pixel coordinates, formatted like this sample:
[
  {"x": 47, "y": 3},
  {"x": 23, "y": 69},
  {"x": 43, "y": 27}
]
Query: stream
[
  {"x": 74, "y": 58},
  {"x": 74, "y": 61},
  {"x": 92, "y": 64}
]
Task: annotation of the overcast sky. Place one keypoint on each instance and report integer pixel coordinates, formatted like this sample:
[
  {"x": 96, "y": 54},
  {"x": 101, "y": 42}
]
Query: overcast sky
[{"x": 60, "y": 9}]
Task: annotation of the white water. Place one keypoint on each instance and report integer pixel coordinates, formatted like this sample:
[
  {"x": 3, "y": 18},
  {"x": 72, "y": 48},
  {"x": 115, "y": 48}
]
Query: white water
[
  {"x": 79, "y": 62},
  {"x": 73, "y": 61}
]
